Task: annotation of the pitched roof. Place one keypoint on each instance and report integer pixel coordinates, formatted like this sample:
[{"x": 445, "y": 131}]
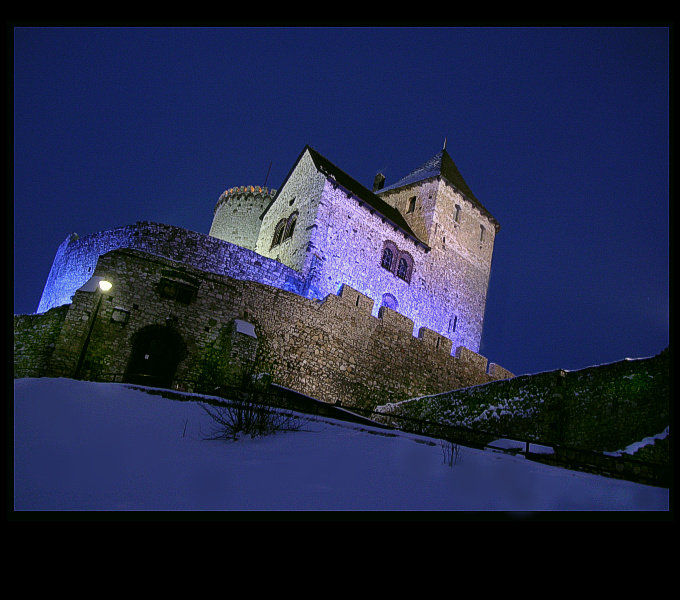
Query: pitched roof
[
  {"x": 441, "y": 164},
  {"x": 362, "y": 193}
]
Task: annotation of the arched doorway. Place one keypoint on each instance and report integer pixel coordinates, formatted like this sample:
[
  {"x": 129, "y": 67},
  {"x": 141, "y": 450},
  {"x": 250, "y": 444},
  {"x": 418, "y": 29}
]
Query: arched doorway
[{"x": 156, "y": 352}]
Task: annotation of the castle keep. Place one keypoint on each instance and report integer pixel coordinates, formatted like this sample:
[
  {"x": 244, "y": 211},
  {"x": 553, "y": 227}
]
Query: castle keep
[{"x": 346, "y": 294}]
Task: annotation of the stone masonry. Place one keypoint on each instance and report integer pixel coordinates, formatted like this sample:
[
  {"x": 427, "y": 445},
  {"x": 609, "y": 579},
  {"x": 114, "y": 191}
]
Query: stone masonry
[
  {"x": 334, "y": 350},
  {"x": 345, "y": 294}
]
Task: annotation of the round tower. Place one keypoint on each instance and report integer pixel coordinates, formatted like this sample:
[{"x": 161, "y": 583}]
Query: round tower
[{"x": 237, "y": 214}]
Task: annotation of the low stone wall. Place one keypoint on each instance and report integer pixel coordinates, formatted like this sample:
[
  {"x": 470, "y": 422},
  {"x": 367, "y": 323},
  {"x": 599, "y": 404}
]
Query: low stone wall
[
  {"x": 35, "y": 337},
  {"x": 603, "y": 408}
]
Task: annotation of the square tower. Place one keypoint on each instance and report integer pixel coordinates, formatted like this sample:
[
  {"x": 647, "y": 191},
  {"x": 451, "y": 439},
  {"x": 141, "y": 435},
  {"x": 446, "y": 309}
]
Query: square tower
[{"x": 441, "y": 209}]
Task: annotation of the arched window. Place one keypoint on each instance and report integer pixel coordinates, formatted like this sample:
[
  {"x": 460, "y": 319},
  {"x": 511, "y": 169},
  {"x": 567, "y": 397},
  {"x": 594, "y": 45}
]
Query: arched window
[
  {"x": 290, "y": 226},
  {"x": 386, "y": 262},
  {"x": 278, "y": 233},
  {"x": 390, "y": 301},
  {"x": 405, "y": 267},
  {"x": 397, "y": 262},
  {"x": 402, "y": 269}
]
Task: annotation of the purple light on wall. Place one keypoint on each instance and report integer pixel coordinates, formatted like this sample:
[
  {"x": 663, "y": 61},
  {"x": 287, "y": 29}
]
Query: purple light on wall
[
  {"x": 349, "y": 251},
  {"x": 76, "y": 258},
  {"x": 350, "y": 240}
]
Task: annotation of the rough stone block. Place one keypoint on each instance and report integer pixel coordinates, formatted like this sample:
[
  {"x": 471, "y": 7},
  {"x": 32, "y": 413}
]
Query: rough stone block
[
  {"x": 498, "y": 372},
  {"x": 434, "y": 340},
  {"x": 472, "y": 358}
]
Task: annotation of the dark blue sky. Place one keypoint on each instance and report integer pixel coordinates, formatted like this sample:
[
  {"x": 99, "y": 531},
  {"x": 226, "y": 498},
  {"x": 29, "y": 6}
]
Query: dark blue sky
[{"x": 562, "y": 133}]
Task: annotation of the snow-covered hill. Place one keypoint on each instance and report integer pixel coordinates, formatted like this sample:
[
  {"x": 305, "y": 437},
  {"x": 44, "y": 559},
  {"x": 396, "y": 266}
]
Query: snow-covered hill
[{"x": 101, "y": 446}]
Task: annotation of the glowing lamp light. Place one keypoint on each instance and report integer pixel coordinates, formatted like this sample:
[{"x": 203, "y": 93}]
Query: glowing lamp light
[{"x": 104, "y": 286}]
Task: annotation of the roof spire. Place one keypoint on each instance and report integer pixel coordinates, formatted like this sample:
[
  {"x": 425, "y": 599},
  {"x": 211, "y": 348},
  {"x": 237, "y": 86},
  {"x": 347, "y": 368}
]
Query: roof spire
[{"x": 444, "y": 148}]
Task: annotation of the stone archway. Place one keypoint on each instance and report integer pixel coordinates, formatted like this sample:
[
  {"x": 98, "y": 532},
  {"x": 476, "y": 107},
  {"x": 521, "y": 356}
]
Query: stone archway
[{"x": 156, "y": 352}]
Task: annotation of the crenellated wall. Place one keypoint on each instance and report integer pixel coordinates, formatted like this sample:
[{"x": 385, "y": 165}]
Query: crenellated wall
[
  {"x": 321, "y": 231},
  {"x": 346, "y": 302},
  {"x": 333, "y": 349},
  {"x": 236, "y": 218}
]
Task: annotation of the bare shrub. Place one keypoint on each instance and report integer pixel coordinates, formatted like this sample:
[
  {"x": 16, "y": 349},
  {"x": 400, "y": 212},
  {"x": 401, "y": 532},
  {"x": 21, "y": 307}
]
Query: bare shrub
[
  {"x": 452, "y": 452},
  {"x": 235, "y": 418}
]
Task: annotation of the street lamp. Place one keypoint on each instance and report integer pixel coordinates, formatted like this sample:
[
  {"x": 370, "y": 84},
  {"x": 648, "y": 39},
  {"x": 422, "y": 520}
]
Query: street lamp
[{"x": 102, "y": 287}]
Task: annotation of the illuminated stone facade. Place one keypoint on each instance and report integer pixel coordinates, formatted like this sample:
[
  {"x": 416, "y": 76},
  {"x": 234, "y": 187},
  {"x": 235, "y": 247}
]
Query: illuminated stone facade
[
  {"x": 334, "y": 350},
  {"x": 351, "y": 295},
  {"x": 237, "y": 215},
  {"x": 439, "y": 238}
]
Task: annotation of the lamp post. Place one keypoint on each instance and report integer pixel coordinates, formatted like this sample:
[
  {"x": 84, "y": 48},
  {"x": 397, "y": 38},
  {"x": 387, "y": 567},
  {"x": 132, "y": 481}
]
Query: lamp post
[{"x": 103, "y": 287}]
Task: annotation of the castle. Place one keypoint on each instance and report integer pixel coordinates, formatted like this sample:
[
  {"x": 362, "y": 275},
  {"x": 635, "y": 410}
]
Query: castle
[{"x": 346, "y": 294}]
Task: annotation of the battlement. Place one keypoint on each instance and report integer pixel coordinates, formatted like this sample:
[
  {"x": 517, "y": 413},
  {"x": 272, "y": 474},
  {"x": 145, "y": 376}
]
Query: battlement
[
  {"x": 435, "y": 341},
  {"x": 351, "y": 306},
  {"x": 394, "y": 321},
  {"x": 350, "y": 296},
  {"x": 472, "y": 358},
  {"x": 333, "y": 349},
  {"x": 292, "y": 263},
  {"x": 242, "y": 192},
  {"x": 236, "y": 218}
]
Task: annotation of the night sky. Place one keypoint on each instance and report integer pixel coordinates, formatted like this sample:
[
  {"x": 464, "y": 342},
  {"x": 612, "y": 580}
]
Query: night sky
[{"x": 562, "y": 134}]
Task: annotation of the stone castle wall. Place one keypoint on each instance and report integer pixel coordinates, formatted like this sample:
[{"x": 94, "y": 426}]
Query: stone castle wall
[
  {"x": 35, "y": 337},
  {"x": 458, "y": 266},
  {"x": 602, "y": 408},
  {"x": 444, "y": 292},
  {"x": 77, "y": 257},
  {"x": 339, "y": 239},
  {"x": 331, "y": 320},
  {"x": 348, "y": 242},
  {"x": 299, "y": 198},
  {"x": 334, "y": 350}
]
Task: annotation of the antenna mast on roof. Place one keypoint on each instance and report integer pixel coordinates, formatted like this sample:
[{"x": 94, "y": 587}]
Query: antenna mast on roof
[{"x": 267, "y": 176}]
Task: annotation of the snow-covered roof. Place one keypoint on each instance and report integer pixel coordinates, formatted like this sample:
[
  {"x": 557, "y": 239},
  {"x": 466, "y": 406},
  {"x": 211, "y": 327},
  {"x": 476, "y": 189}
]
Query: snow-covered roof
[{"x": 441, "y": 164}]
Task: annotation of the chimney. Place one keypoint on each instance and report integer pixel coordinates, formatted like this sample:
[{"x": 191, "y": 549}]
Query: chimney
[{"x": 378, "y": 182}]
